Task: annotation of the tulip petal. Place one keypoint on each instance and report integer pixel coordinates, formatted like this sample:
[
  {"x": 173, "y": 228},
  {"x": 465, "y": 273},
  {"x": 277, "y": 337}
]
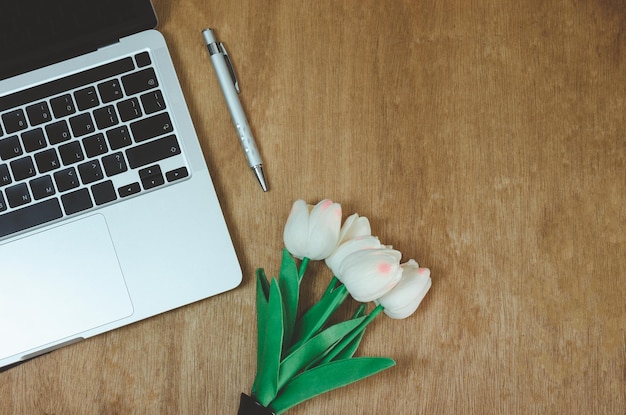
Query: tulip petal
[
  {"x": 405, "y": 298},
  {"x": 359, "y": 243},
  {"x": 354, "y": 227},
  {"x": 323, "y": 232},
  {"x": 296, "y": 229},
  {"x": 370, "y": 273},
  {"x": 312, "y": 231}
]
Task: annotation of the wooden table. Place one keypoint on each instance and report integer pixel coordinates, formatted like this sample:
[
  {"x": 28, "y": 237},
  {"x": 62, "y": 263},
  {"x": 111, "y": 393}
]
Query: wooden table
[{"x": 485, "y": 139}]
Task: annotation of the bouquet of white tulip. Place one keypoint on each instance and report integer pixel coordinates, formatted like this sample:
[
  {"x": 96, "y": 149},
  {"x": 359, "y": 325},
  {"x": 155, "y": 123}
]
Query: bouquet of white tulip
[{"x": 300, "y": 358}]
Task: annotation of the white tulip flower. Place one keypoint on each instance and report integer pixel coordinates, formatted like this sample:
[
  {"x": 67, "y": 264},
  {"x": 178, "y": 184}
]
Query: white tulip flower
[
  {"x": 369, "y": 274},
  {"x": 312, "y": 231},
  {"x": 354, "y": 227},
  {"x": 348, "y": 247},
  {"x": 404, "y": 298}
]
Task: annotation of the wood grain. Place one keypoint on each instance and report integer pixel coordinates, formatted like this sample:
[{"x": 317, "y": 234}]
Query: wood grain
[{"x": 485, "y": 139}]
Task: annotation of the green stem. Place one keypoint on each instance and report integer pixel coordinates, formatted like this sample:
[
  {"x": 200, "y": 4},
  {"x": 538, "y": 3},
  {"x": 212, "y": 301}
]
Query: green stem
[
  {"x": 331, "y": 286},
  {"x": 360, "y": 311},
  {"x": 346, "y": 341},
  {"x": 317, "y": 316},
  {"x": 303, "y": 265}
]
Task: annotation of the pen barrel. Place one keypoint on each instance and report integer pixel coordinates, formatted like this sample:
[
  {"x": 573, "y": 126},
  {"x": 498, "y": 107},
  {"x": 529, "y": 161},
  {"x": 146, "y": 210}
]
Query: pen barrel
[
  {"x": 236, "y": 110},
  {"x": 248, "y": 144}
]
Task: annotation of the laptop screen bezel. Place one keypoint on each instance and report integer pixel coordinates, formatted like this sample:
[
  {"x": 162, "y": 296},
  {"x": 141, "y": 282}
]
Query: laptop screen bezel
[{"x": 26, "y": 53}]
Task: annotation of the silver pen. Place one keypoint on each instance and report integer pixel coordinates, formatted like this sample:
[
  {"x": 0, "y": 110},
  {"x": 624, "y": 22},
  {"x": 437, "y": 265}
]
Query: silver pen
[{"x": 230, "y": 88}]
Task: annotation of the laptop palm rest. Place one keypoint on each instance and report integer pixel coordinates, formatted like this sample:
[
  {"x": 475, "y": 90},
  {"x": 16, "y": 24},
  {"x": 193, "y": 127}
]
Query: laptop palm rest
[{"x": 75, "y": 278}]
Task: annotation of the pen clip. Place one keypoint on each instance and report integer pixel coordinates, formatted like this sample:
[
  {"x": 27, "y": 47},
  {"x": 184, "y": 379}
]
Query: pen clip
[{"x": 229, "y": 63}]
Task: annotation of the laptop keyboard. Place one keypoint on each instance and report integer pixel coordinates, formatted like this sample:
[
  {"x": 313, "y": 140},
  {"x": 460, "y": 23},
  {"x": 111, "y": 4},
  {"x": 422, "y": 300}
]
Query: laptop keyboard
[{"x": 83, "y": 141}]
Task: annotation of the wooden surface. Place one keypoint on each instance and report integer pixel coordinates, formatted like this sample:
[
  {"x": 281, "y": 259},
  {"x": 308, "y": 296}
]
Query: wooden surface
[{"x": 485, "y": 139}]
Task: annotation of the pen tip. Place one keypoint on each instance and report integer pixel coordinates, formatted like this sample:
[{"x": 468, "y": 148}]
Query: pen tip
[{"x": 258, "y": 172}]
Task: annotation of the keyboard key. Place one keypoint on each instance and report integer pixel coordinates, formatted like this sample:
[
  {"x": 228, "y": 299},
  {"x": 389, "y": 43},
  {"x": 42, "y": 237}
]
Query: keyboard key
[
  {"x": 3, "y": 204},
  {"x": 176, "y": 174},
  {"x": 86, "y": 98},
  {"x": 153, "y": 101},
  {"x": 71, "y": 153},
  {"x": 33, "y": 140},
  {"x": 151, "y": 127},
  {"x": 119, "y": 137},
  {"x": 129, "y": 109},
  {"x": 82, "y": 124},
  {"x": 151, "y": 177},
  {"x": 76, "y": 201},
  {"x": 38, "y": 113},
  {"x": 66, "y": 179},
  {"x": 62, "y": 106},
  {"x": 143, "y": 59},
  {"x": 67, "y": 83},
  {"x": 42, "y": 187},
  {"x": 152, "y": 151},
  {"x": 58, "y": 132},
  {"x": 23, "y": 168},
  {"x": 90, "y": 172},
  {"x": 103, "y": 192},
  {"x": 129, "y": 190},
  {"x": 10, "y": 148},
  {"x": 30, "y": 216},
  {"x": 140, "y": 81},
  {"x": 14, "y": 121},
  {"x": 110, "y": 90},
  {"x": 105, "y": 117},
  {"x": 18, "y": 195},
  {"x": 114, "y": 164},
  {"x": 5, "y": 177},
  {"x": 47, "y": 160},
  {"x": 95, "y": 145}
]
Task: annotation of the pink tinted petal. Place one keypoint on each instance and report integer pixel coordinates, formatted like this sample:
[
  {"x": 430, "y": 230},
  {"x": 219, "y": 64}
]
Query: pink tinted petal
[
  {"x": 369, "y": 274},
  {"x": 323, "y": 231},
  {"x": 404, "y": 299},
  {"x": 327, "y": 214}
]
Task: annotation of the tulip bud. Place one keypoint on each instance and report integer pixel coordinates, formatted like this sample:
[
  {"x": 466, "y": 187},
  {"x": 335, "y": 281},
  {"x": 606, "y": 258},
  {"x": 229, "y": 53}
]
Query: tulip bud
[
  {"x": 370, "y": 273},
  {"x": 404, "y": 298},
  {"x": 312, "y": 231}
]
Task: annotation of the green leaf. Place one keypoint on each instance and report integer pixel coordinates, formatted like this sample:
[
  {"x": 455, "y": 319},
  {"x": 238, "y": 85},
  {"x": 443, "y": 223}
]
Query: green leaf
[
  {"x": 327, "y": 377},
  {"x": 267, "y": 372},
  {"x": 303, "y": 266},
  {"x": 289, "y": 284},
  {"x": 309, "y": 351},
  {"x": 351, "y": 348},
  {"x": 315, "y": 318},
  {"x": 263, "y": 286},
  {"x": 262, "y": 294},
  {"x": 348, "y": 340}
]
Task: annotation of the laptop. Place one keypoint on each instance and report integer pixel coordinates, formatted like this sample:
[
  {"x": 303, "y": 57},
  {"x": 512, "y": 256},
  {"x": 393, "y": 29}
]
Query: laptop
[{"x": 108, "y": 214}]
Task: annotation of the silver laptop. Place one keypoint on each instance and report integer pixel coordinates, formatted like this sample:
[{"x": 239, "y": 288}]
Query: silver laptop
[{"x": 107, "y": 211}]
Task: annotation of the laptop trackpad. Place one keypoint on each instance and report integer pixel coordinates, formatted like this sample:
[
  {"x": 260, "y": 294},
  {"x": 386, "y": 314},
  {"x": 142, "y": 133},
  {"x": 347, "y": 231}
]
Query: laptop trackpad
[{"x": 59, "y": 283}]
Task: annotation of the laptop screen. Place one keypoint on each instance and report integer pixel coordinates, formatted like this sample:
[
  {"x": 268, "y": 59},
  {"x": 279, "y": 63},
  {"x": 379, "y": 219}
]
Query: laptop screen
[{"x": 36, "y": 33}]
